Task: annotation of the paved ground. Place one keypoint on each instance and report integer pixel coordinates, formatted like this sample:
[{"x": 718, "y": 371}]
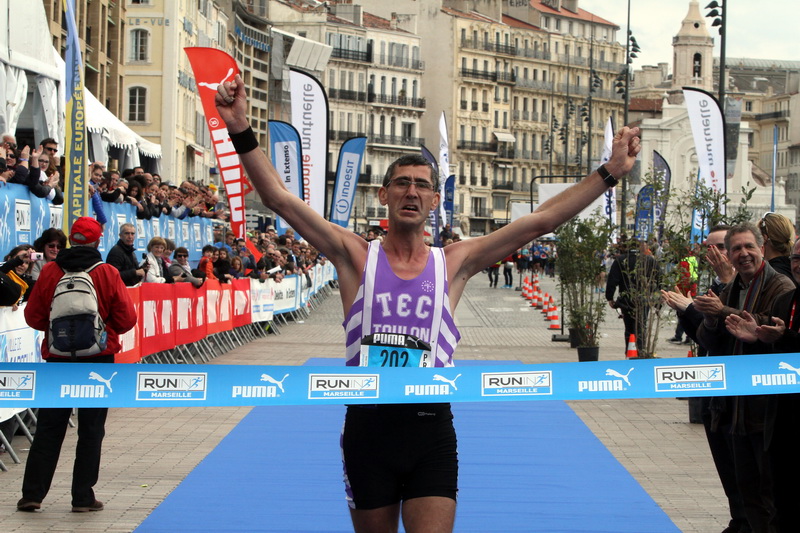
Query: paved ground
[{"x": 148, "y": 452}]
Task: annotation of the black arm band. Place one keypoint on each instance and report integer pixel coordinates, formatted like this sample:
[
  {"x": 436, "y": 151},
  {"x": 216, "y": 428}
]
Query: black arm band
[{"x": 244, "y": 141}]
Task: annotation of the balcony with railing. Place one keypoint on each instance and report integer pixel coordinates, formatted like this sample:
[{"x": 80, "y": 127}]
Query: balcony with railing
[
  {"x": 352, "y": 55},
  {"x": 480, "y": 212},
  {"x": 396, "y": 140},
  {"x": 405, "y": 101},
  {"x": 488, "y": 46},
  {"x": 533, "y": 53},
  {"x": 401, "y": 62},
  {"x": 772, "y": 115},
  {"x": 506, "y": 77},
  {"x": 476, "y": 146},
  {"x": 342, "y": 94},
  {"x": 526, "y": 83},
  {"x": 503, "y": 186},
  {"x": 485, "y": 75},
  {"x": 343, "y": 135},
  {"x": 506, "y": 153}
]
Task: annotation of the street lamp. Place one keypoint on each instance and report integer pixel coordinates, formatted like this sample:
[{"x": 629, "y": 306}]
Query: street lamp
[
  {"x": 718, "y": 14},
  {"x": 631, "y": 52}
]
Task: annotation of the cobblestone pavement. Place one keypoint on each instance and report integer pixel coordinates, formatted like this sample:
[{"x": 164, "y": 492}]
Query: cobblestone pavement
[{"x": 148, "y": 452}]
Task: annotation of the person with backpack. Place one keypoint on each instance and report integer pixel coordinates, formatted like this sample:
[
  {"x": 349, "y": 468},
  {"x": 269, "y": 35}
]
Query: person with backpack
[{"x": 83, "y": 307}]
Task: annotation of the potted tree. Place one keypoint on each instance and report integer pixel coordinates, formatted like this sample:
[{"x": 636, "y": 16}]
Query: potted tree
[{"x": 581, "y": 244}]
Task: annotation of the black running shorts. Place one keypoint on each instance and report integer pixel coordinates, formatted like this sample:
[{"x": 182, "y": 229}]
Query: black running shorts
[{"x": 393, "y": 453}]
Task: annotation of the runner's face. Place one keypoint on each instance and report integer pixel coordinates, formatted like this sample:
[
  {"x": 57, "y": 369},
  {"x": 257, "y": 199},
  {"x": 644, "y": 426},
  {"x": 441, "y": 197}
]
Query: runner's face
[{"x": 409, "y": 202}]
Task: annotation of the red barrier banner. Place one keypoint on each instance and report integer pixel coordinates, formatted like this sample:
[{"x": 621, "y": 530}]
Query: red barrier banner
[
  {"x": 212, "y": 305},
  {"x": 131, "y": 351},
  {"x": 190, "y": 311},
  {"x": 157, "y": 317},
  {"x": 226, "y": 307},
  {"x": 242, "y": 309}
]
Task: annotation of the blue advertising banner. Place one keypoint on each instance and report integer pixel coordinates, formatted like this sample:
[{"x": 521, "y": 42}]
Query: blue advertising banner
[
  {"x": 644, "y": 213},
  {"x": 449, "y": 198},
  {"x": 24, "y": 217},
  {"x": 344, "y": 190},
  {"x": 102, "y": 385},
  {"x": 287, "y": 158}
]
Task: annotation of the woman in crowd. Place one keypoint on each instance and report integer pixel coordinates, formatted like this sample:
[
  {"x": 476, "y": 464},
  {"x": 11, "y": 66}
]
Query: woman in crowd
[
  {"x": 157, "y": 271},
  {"x": 135, "y": 198},
  {"x": 237, "y": 268},
  {"x": 181, "y": 271},
  {"x": 18, "y": 265},
  {"x": 51, "y": 241}
]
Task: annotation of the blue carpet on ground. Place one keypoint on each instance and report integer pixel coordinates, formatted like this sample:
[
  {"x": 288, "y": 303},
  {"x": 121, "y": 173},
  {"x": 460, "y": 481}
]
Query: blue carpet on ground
[{"x": 523, "y": 467}]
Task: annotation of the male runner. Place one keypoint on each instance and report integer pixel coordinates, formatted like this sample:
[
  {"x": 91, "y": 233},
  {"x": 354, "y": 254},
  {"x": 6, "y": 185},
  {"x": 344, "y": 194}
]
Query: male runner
[{"x": 403, "y": 285}]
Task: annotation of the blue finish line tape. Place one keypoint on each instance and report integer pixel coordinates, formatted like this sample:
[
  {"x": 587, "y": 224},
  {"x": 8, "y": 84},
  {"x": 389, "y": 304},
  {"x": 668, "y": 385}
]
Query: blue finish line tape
[{"x": 128, "y": 385}]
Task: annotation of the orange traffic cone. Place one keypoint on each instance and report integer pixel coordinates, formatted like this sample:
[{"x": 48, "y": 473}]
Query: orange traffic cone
[
  {"x": 632, "y": 352},
  {"x": 527, "y": 289},
  {"x": 554, "y": 320},
  {"x": 690, "y": 354},
  {"x": 545, "y": 304},
  {"x": 535, "y": 300}
]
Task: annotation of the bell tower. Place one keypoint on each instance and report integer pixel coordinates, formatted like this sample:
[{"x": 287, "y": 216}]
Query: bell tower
[{"x": 693, "y": 53}]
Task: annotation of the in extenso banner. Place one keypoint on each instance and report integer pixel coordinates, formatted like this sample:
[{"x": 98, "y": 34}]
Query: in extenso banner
[{"x": 106, "y": 385}]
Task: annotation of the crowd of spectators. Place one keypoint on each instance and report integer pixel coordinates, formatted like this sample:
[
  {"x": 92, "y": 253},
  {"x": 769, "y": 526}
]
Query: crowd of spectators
[{"x": 40, "y": 170}]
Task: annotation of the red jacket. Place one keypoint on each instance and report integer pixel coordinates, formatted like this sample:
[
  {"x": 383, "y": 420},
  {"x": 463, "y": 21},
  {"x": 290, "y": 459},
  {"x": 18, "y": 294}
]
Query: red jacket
[{"x": 116, "y": 307}]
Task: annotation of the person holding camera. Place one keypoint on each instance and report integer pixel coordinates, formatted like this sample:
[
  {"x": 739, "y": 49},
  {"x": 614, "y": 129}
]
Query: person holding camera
[{"x": 123, "y": 257}]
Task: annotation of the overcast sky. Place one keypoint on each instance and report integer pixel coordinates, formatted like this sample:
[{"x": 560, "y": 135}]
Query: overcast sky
[{"x": 763, "y": 30}]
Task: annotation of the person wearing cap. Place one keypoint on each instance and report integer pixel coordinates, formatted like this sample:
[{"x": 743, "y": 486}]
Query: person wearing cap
[{"x": 119, "y": 316}]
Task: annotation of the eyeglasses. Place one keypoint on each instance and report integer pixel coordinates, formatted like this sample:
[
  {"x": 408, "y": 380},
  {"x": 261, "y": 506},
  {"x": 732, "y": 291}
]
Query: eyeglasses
[
  {"x": 51, "y": 149},
  {"x": 794, "y": 257},
  {"x": 178, "y": 256},
  {"x": 54, "y": 245},
  {"x": 406, "y": 183}
]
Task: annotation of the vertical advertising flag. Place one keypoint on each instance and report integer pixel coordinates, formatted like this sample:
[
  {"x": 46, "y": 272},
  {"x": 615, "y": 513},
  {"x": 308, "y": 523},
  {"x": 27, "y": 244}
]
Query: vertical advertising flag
[
  {"x": 444, "y": 162},
  {"x": 699, "y": 225},
  {"x": 663, "y": 175},
  {"x": 211, "y": 68},
  {"x": 449, "y": 199},
  {"x": 287, "y": 155},
  {"x": 644, "y": 213},
  {"x": 344, "y": 190},
  {"x": 75, "y": 190},
  {"x": 310, "y": 118},
  {"x": 708, "y": 131}
]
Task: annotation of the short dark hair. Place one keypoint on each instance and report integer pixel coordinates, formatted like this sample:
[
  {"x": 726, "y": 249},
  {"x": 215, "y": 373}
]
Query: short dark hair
[
  {"x": 181, "y": 250},
  {"x": 411, "y": 160},
  {"x": 48, "y": 140},
  {"x": 743, "y": 228},
  {"x": 50, "y": 235}
]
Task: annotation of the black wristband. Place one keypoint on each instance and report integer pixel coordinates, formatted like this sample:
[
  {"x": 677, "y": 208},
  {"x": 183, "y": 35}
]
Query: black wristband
[
  {"x": 609, "y": 180},
  {"x": 244, "y": 141}
]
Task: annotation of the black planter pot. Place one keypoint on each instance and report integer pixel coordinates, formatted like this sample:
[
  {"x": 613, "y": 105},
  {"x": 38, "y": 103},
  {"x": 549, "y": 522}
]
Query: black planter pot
[{"x": 588, "y": 353}]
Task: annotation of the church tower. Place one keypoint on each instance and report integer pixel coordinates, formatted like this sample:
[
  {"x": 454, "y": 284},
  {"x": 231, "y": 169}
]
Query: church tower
[{"x": 693, "y": 53}]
